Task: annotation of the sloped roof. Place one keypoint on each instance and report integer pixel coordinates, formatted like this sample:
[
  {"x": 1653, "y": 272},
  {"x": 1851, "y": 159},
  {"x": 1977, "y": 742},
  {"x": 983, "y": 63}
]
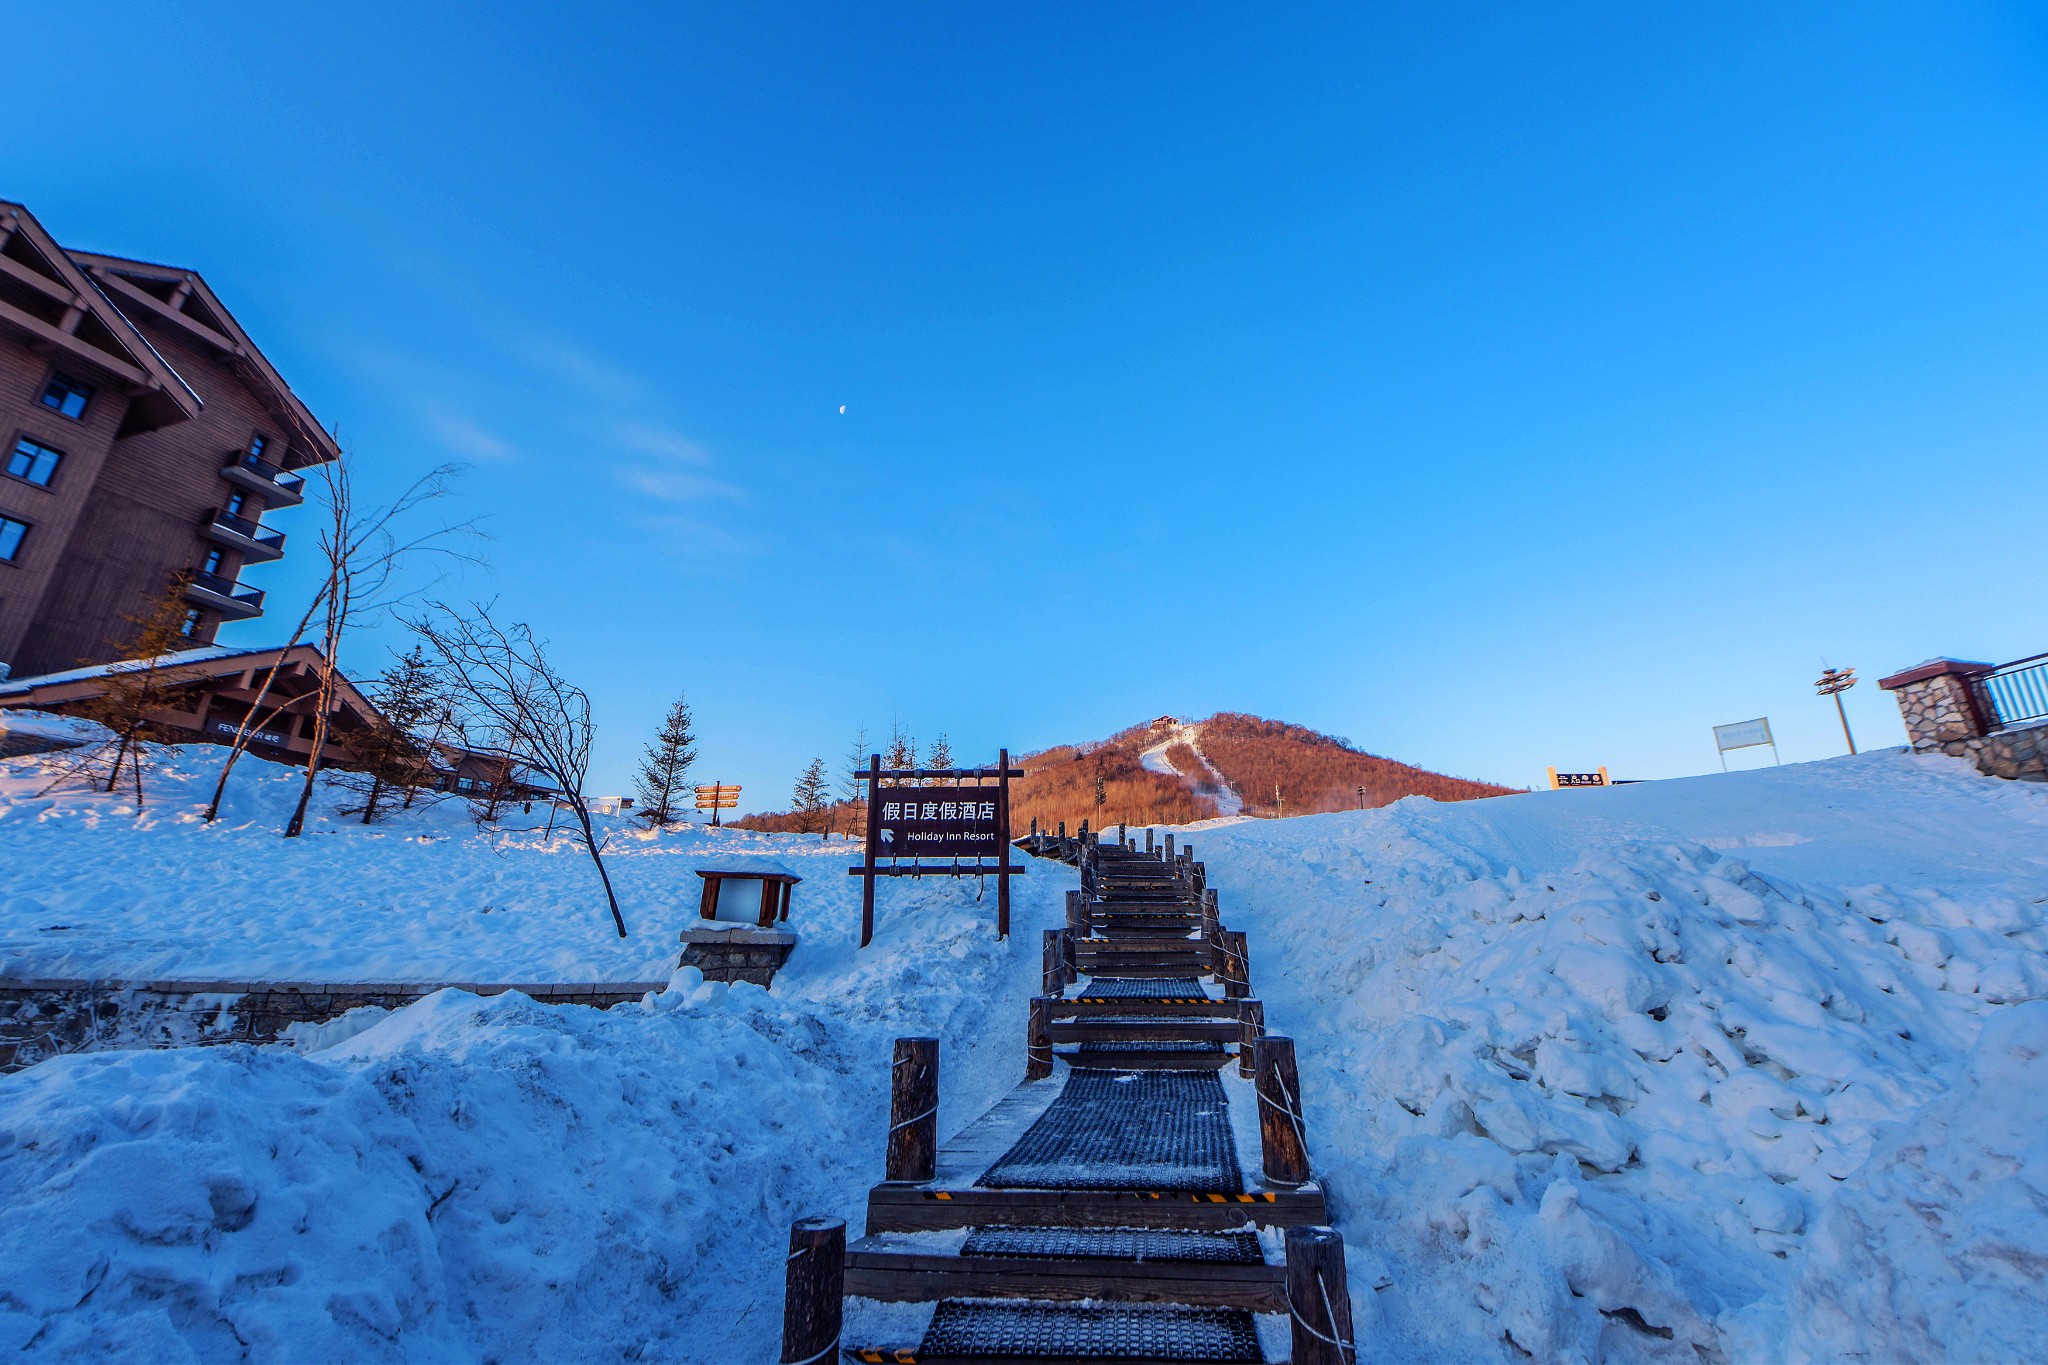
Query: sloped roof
[
  {"x": 215, "y": 325},
  {"x": 191, "y": 665},
  {"x": 167, "y": 397}
]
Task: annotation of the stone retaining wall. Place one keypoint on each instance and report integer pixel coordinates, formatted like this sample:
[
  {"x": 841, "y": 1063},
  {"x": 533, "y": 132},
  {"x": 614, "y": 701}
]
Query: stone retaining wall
[{"x": 46, "y": 1018}]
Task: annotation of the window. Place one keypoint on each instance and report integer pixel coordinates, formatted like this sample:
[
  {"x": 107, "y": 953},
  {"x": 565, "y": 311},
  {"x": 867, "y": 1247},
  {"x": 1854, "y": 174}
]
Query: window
[
  {"x": 67, "y": 395},
  {"x": 12, "y": 533},
  {"x": 33, "y": 462},
  {"x": 212, "y": 565},
  {"x": 189, "y": 627},
  {"x": 257, "y": 445},
  {"x": 236, "y": 503}
]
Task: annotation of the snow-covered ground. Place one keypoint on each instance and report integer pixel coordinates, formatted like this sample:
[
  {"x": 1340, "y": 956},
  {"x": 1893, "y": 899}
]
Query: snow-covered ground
[
  {"x": 1744, "y": 1060},
  {"x": 1734, "y": 1068},
  {"x": 96, "y": 889},
  {"x": 467, "y": 1179}
]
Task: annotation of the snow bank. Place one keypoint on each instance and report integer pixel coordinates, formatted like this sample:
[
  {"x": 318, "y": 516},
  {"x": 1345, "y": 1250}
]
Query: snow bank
[{"x": 1600, "y": 1074}]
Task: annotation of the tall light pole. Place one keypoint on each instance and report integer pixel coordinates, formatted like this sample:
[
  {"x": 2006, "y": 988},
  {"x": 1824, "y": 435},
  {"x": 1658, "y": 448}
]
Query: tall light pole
[{"x": 1833, "y": 683}]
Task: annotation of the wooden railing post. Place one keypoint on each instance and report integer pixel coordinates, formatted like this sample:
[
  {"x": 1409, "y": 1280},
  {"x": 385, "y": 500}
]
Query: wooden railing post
[
  {"x": 1038, "y": 1040},
  {"x": 1148, "y": 841},
  {"x": 1212, "y": 922},
  {"x": 1053, "y": 980},
  {"x": 1251, "y": 1016},
  {"x": 1237, "y": 967},
  {"x": 1077, "y": 914},
  {"x": 1068, "y": 964},
  {"x": 1319, "y": 1298},
  {"x": 1167, "y": 857},
  {"x": 814, "y": 1287},
  {"x": 1283, "y": 1143},
  {"x": 914, "y": 1111}
]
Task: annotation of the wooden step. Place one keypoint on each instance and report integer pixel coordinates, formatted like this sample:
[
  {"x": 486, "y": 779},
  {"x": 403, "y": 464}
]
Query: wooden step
[
  {"x": 925, "y": 1208},
  {"x": 1135, "y": 1059}
]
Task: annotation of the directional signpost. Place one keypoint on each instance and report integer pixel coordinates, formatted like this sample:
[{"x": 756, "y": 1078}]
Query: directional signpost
[
  {"x": 937, "y": 822},
  {"x": 718, "y": 797},
  {"x": 1592, "y": 779}
]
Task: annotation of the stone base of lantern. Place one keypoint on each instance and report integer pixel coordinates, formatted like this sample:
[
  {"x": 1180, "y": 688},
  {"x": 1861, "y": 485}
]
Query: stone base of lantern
[{"x": 738, "y": 952}]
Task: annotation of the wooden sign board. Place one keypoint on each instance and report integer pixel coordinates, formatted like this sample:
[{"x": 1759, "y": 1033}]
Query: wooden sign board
[
  {"x": 938, "y": 822},
  {"x": 720, "y": 797},
  {"x": 1593, "y": 779}
]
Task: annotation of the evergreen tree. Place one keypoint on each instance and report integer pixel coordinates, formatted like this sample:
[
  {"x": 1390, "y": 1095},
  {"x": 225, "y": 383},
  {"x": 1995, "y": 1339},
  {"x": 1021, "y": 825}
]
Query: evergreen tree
[
  {"x": 396, "y": 752},
  {"x": 902, "y": 750},
  {"x": 811, "y": 799},
  {"x": 941, "y": 755},
  {"x": 666, "y": 767},
  {"x": 132, "y": 692}
]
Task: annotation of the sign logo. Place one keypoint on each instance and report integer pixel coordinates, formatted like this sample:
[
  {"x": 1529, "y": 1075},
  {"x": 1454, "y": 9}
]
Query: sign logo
[{"x": 1594, "y": 779}]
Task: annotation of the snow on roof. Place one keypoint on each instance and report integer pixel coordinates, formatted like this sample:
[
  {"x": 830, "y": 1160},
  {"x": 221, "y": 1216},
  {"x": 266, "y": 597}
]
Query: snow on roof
[
  {"x": 747, "y": 865},
  {"x": 183, "y": 656}
]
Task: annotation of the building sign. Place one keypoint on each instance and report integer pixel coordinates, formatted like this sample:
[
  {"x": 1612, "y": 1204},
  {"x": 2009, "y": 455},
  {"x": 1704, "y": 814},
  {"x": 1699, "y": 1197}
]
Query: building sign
[
  {"x": 1744, "y": 734},
  {"x": 937, "y": 822},
  {"x": 1594, "y": 779}
]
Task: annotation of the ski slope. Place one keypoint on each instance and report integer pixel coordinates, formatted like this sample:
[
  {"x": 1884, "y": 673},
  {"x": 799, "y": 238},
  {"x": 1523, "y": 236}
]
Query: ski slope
[{"x": 1208, "y": 782}]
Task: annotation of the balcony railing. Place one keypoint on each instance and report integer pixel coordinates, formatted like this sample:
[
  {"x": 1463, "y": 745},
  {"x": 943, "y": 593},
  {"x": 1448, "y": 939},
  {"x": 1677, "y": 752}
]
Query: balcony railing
[
  {"x": 2017, "y": 692},
  {"x": 253, "y": 539},
  {"x": 225, "y": 596},
  {"x": 279, "y": 487}
]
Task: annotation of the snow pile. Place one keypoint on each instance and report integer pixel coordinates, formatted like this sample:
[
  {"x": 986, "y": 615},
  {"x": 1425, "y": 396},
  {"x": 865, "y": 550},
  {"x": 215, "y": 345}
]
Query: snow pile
[
  {"x": 1588, "y": 1085},
  {"x": 1939, "y": 1245}
]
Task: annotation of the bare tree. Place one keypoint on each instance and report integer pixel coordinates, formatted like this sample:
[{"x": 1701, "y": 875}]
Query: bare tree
[
  {"x": 363, "y": 553},
  {"x": 854, "y": 780},
  {"x": 516, "y": 706},
  {"x": 396, "y": 750}
]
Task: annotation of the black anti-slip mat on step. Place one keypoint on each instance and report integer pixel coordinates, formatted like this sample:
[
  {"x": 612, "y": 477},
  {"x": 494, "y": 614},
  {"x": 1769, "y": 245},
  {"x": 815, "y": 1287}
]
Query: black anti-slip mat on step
[
  {"x": 1130, "y": 1130},
  {"x": 1140, "y": 988},
  {"x": 1235, "y": 1247},
  {"x": 965, "y": 1329}
]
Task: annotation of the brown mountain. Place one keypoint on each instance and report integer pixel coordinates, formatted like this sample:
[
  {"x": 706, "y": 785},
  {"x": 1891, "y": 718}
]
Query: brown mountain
[{"x": 1170, "y": 772}]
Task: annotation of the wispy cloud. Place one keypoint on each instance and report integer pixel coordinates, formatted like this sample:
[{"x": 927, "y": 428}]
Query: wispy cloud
[
  {"x": 571, "y": 364},
  {"x": 468, "y": 438},
  {"x": 652, "y": 438},
  {"x": 678, "y": 487}
]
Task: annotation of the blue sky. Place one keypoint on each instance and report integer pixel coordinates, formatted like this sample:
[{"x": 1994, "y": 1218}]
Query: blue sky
[{"x": 1496, "y": 386}]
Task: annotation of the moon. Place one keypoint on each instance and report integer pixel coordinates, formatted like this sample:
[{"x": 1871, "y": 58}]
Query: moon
[{"x": 842, "y": 407}]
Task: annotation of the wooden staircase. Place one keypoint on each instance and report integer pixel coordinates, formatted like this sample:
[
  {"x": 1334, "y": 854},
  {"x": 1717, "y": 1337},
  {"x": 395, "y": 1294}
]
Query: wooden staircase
[{"x": 1112, "y": 1207}]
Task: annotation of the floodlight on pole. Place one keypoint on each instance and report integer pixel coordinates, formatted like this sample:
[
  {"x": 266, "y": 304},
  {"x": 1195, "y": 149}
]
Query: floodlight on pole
[{"x": 1833, "y": 682}]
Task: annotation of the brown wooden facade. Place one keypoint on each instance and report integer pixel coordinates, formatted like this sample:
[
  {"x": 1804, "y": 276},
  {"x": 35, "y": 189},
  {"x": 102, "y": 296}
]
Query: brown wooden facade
[{"x": 142, "y": 434}]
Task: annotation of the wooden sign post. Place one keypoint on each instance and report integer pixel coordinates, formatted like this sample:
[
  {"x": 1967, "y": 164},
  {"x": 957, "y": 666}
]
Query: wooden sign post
[
  {"x": 937, "y": 822},
  {"x": 718, "y": 797}
]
